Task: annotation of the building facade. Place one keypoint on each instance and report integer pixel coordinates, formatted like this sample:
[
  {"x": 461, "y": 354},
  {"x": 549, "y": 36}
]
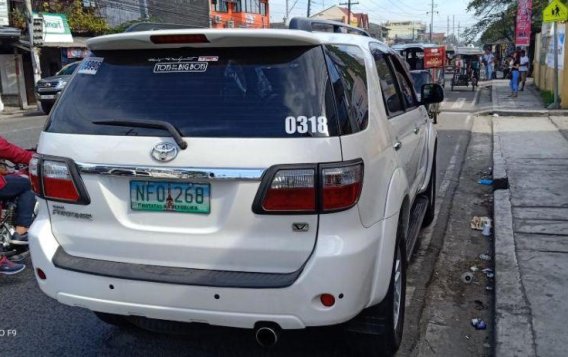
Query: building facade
[
  {"x": 240, "y": 14},
  {"x": 406, "y": 31},
  {"x": 341, "y": 14}
]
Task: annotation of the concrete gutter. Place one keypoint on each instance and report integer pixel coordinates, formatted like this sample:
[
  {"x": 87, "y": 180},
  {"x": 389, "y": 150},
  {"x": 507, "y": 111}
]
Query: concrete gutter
[{"x": 513, "y": 321}]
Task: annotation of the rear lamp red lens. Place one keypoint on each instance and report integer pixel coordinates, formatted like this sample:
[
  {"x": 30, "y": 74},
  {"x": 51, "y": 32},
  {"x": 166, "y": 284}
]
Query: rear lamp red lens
[
  {"x": 41, "y": 274},
  {"x": 291, "y": 190}
]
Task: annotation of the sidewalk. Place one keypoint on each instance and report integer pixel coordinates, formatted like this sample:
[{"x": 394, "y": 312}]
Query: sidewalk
[
  {"x": 10, "y": 112},
  {"x": 531, "y": 226}
]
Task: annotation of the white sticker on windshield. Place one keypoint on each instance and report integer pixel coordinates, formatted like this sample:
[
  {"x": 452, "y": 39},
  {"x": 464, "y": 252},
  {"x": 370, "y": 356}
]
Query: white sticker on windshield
[
  {"x": 180, "y": 67},
  {"x": 90, "y": 65},
  {"x": 304, "y": 125}
]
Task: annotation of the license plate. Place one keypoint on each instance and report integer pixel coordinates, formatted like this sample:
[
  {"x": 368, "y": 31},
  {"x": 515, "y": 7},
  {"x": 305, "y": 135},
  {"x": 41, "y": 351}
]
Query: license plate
[
  {"x": 47, "y": 96},
  {"x": 163, "y": 196}
]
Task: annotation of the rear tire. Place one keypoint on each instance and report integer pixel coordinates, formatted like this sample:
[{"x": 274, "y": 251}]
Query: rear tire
[
  {"x": 389, "y": 313},
  {"x": 431, "y": 195},
  {"x": 112, "y": 319},
  {"x": 46, "y": 107}
]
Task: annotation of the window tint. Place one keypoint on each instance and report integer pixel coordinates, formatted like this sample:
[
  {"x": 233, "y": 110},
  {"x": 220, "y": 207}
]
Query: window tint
[
  {"x": 420, "y": 78},
  {"x": 349, "y": 78},
  {"x": 68, "y": 69},
  {"x": 405, "y": 86},
  {"x": 204, "y": 92},
  {"x": 389, "y": 89}
]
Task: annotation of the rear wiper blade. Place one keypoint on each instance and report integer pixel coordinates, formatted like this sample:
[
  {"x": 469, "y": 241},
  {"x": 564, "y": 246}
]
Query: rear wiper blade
[{"x": 150, "y": 124}]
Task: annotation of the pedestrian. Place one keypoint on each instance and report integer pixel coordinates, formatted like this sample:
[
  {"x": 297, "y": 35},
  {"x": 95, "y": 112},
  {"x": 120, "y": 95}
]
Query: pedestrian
[
  {"x": 10, "y": 268},
  {"x": 523, "y": 68},
  {"x": 488, "y": 61},
  {"x": 514, "y": 84},
  {"x": 18, "y": 187}
]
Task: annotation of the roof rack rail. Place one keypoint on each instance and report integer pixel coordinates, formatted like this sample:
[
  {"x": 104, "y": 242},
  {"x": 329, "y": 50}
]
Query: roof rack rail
[
  {"x": 318, "y": 25},
  {"x": 150, "y": 26}
]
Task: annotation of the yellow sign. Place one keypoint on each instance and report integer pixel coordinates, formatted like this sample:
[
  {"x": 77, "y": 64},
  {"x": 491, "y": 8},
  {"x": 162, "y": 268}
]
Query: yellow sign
[{"x": 555, "y": 11}]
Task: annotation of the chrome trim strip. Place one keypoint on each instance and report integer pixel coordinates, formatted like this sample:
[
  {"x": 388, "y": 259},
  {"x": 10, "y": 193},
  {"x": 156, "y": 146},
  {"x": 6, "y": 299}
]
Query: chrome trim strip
[{"x": 178, "y": 173}]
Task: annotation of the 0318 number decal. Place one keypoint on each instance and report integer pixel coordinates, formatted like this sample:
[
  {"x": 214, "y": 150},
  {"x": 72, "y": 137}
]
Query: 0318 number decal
[{"x": 304, "y": 125}]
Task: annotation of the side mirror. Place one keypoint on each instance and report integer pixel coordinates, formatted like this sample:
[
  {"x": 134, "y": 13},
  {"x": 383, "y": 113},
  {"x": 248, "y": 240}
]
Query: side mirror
[{"x": 432, "y": 93}]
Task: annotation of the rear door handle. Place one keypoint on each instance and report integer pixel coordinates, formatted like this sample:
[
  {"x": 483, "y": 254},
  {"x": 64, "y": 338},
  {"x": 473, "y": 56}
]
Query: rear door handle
[
  {"x": 416, "y": 130},
  {"x": 397, "y": 145}
]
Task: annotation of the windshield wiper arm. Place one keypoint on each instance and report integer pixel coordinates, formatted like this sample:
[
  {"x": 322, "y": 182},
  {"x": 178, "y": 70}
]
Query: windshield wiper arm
[{"x": 150, "y": 124}]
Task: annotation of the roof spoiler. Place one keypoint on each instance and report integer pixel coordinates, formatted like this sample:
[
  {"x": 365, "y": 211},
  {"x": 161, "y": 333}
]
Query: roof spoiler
[
  {"x": 150, "y": 26},
  {"x": 317, "y": 25}
]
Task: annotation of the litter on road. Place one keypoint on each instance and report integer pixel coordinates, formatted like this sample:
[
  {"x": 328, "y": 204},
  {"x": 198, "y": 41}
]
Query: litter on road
[
  {"x": 486, "y": 182},
  {"x": 485, "y": 257},
  {"x": 467, "y": 277},
  {"x": 479, "y": 324},
  {"x": 478, "y": 223}
]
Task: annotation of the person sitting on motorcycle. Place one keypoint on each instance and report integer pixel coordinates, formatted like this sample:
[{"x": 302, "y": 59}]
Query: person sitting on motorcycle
[{"x": 19, "y": 187}]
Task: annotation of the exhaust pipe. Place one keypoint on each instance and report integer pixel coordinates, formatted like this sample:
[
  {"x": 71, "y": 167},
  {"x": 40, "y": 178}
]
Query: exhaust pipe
[{"x": 267, "y": 335}]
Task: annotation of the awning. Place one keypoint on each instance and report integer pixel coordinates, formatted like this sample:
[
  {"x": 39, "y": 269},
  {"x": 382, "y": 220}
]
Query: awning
[{"x": 79, "y": 42}]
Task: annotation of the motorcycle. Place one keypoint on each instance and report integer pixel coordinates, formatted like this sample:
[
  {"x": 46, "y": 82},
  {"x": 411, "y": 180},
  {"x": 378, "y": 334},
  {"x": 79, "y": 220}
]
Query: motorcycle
[{"x": 8, "y": 214}]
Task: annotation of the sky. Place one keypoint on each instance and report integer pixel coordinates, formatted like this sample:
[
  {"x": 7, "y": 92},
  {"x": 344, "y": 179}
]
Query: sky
[{"x": 381, "y": 11}]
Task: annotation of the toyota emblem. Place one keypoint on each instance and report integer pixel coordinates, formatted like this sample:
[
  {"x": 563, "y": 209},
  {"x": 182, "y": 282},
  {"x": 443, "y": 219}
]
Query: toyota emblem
[{"x": 164, "y": 152}]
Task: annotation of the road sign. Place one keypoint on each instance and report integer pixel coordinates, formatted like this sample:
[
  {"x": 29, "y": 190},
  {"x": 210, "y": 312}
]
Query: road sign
[{"x": 555, "y": 11}]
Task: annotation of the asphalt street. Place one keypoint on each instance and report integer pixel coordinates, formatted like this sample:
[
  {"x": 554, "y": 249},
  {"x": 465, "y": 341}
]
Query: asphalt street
[{"x": 42, "y": 326}]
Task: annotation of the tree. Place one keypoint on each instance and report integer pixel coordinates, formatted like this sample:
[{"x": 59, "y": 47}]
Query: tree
[
  {"x": 82, "y": 21},
  {"x": 497, "y": 19}
]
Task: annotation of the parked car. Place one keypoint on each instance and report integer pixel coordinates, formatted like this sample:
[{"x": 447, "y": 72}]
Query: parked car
[
  {"x": 48, "y": 89},
  {"x": 420, "y": 78},
  {"x": 238, "y": 178}
]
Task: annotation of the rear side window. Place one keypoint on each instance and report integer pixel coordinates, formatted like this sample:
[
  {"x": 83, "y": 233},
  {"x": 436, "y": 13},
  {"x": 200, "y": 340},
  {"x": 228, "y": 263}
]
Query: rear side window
[
  {"x": 389, "y": 89},
  {"x": 203, "y": 92},
  {"x": 406, "y": 87},
  {"x": 349, "y": 79}
]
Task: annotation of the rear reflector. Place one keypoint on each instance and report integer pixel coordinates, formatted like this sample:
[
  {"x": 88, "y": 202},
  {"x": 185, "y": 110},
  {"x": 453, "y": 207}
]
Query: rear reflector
[
  {"x": 58, "y": 183},
  {"x": 166, "y": 39},
  {"x": 291, "y": 191},
  {"x": 341, "y": 186}
]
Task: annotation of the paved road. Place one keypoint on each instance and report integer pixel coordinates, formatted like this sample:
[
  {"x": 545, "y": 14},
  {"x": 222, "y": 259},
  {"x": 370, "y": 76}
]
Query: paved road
[{"x": 45, "y": 327}]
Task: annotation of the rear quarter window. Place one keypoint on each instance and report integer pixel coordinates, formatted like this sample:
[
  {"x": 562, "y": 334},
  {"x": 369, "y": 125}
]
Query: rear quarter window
[{"x": 349, "y": 78}]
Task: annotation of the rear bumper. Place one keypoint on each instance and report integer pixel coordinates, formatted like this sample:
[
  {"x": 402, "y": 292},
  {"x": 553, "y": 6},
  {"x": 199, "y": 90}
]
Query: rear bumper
[{"x": 352, "y": 263}]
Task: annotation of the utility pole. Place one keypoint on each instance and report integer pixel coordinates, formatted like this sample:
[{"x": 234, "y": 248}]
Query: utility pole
[
  {"x": 454, "y": 26},
  {"x": 459, "y": 26},
  {"x": 349, "y": 3},
  {"x": 309, "y": 7},
  {"x": 33, "y": 50},
  {"x": 432, "y": 20},
  {"x": 448, "y": 29}
]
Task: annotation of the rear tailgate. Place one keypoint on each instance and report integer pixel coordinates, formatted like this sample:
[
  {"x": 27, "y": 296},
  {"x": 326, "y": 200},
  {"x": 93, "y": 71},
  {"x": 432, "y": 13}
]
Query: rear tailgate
[{"x": 240, "y": 110}]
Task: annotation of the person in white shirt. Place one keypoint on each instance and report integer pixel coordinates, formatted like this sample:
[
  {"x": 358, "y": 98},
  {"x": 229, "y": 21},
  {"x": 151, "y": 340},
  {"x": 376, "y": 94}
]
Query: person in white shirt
[
  {"x": 488, "y": 61},
  {"x": 523, "y": 68}
]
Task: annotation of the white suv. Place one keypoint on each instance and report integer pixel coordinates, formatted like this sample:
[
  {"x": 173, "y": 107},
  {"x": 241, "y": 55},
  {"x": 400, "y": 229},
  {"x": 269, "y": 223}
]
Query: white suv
[{"x": 261, "y": 179}]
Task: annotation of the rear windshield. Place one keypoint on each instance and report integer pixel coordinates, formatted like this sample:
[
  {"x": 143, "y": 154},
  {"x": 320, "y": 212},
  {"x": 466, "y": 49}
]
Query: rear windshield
[{"x": 207, "y": 92}]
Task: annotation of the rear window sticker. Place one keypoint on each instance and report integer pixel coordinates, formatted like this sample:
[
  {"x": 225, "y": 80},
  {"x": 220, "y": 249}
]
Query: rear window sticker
[
  {"x": 172, "y": 59},
  {"x": 90, "y": 65},
  {"x": 180, "y": 67},
  {"x": 303, "y": 125},
  {"x": 208, "y": 58}
]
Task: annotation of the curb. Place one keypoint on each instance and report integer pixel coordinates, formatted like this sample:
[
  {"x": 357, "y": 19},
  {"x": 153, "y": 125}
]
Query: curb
[{"x": 513, "y": 319}]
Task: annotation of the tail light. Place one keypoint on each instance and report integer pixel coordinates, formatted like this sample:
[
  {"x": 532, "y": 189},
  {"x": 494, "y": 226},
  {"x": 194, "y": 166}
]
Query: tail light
[
  {"x": 169, "y": 39},
  {"x": 341, "y": 187},
  {"x": 310, "y": 189},
  {"x": 57, "y": 179},
  {"x": 291, "y": 190}
]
